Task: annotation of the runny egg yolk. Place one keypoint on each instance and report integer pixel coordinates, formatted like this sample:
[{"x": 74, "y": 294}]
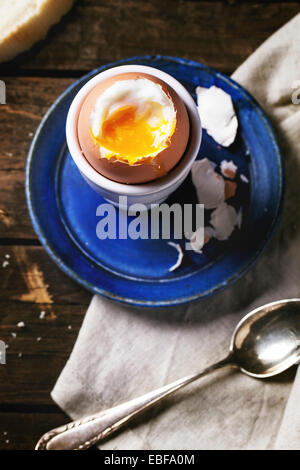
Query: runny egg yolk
[{"x": 130, "y": 135}]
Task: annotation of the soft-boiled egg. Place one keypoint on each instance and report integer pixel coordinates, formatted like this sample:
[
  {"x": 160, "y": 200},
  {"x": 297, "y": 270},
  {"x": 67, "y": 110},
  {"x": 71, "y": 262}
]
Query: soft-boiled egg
[{"x": 133, "y": 128}]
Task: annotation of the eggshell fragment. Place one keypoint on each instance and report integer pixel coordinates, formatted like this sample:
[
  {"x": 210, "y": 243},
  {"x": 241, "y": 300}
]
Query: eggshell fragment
[
  {"x": 180, "y": 256},
  {"x": 217, "y": 114},
  {"x": 228, "y": 169},
  {"x": 223, "y": 219},
  {"x": 147, "y": 169},
  {"x": 210, "y": 186},
  {"x": 244, "y": 178},
  {"x": 230, "y": 189},
  {"x": 197, "y": 242}
]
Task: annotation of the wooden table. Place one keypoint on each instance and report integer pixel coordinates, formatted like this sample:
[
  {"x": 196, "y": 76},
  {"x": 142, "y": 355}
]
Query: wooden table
[{"x": 218, "y": 33}]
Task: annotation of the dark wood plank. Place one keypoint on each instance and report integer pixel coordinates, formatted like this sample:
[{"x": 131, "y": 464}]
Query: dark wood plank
[
  {"x": 14, "y": 217},
  {"x": 28, "y": 380},
  {"x": 29, "y": 276},
  {"x": 37, "y": 352},
  {"x": 218, "y": 33},
  {"x": 28, "y": 98},
  {"x": 21, "y": 431},
  {"x": 30, "y": 283},
  {"x": 27, "y": 101}
]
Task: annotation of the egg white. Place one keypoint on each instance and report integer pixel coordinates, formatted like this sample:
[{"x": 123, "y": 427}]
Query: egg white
[{"x": 149, "y": 99}]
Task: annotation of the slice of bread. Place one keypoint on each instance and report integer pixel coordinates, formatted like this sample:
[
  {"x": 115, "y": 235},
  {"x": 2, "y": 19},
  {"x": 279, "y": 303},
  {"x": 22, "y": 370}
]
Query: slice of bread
[{"x": 24, "y": 22}]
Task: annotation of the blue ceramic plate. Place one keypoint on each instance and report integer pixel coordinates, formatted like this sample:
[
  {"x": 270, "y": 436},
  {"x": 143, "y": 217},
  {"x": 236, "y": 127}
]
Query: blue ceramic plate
[{"x": 63, "y": 207}]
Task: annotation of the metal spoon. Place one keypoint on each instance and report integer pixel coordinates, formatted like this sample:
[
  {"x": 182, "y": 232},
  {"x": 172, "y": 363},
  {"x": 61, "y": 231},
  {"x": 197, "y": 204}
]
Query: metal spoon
[{"x": 265, "y": 342}]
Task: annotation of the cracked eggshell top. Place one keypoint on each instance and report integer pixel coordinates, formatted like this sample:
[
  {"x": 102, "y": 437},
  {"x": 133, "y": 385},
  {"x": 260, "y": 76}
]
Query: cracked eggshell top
[{"x": 148, "y": 169}]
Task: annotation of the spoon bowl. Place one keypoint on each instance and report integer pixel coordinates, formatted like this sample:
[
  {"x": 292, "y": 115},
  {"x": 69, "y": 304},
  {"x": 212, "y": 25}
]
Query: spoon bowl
[{"x": 266, "y": 342}]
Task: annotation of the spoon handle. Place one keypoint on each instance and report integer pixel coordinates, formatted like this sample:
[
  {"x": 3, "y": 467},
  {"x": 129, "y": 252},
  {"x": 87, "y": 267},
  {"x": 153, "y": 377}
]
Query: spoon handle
[{"x": 84, "y": 433}]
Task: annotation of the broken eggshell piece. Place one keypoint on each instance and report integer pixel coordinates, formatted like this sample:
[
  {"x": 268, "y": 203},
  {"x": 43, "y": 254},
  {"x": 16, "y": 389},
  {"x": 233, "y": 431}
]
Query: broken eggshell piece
[
  {"x": 199, "y": 239},
  {"x": 212, "y": 191},
  {"x": 228, "y": 169},
  {"x": 210, "y": 186},
  {"x": 179, "y": 258},
  {"x": 230, "y": 189},
  {"x": 244, "y": 178},
  {"x": 217, "y": 114},
  {"x": 223, "y": 219}
]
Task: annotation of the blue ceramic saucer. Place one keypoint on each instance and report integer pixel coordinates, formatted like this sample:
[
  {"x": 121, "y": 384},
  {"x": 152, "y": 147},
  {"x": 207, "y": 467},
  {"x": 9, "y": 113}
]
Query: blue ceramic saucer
[{"x": 63, "y": 207}]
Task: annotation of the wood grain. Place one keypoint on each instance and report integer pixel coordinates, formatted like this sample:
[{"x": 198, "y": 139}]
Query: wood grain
[
  {"x": 38, "y": 351},
  {"x": 218, "y": 33},
  {"x": 28, "y": 98},
  {"x": 32, "y": 277},
  {"x": 30, "y": 283},
  {"x": 21, "y": 431}
]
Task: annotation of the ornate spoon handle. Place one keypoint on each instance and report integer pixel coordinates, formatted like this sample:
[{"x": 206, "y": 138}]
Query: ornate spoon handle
[{"x": 84, "y": 433}]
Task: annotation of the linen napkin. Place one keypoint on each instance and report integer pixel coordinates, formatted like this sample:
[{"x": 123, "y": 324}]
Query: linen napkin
[{"x": 122, "y": 352}]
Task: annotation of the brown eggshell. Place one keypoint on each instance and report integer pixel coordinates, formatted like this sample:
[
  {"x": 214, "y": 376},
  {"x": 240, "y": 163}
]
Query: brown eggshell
[{"x": 145, "y": 171}]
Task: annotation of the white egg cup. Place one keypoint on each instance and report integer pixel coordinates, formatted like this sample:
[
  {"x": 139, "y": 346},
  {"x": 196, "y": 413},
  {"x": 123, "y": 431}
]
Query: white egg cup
[{"x": 155, "y": 191}]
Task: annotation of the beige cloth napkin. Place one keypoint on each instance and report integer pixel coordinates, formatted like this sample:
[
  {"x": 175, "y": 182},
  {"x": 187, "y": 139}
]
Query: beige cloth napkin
[{"x": 122, "y": 352}]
